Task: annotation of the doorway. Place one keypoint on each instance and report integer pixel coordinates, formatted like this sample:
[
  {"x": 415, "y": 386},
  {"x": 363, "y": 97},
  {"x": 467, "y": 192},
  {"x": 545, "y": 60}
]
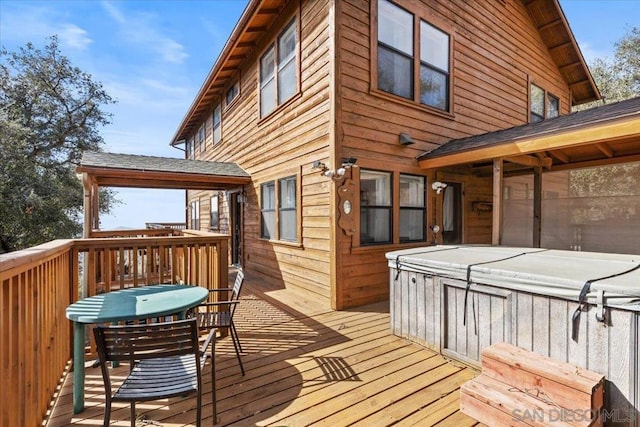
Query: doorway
[
  {"x": 236, "y": 228},
  {"x": 452, "y": 214}
]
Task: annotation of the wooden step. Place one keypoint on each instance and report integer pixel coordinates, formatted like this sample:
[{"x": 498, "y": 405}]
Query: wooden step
[
  {"x": 495, "y": 403},
  {"x": 564, "y": 384}
]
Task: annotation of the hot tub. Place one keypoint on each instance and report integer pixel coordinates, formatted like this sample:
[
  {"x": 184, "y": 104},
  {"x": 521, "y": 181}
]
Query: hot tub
[{"x": 458, "y": 300}]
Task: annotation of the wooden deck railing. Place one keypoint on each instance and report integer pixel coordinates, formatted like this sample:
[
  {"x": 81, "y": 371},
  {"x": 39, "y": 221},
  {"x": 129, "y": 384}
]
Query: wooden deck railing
[{"x": 37, "y": 284}]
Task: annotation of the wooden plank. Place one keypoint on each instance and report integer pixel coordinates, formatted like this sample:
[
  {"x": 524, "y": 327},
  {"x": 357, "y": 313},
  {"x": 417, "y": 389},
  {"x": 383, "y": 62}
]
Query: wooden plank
[
  {"x": 491, "y": 402},
  {"x": 496, "y": 225},
  {"x": 405, "y": 407},
  {"x": 296, "y": 364},
  {"x": 564, "y": 384}
]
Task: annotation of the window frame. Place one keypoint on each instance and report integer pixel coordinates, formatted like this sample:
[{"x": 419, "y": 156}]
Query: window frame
[
  {"x": 215, "y": 203},
  {"x": 194, "y": 219},
  {"x": 389, "y": 208},
  {"x": 264, "y": 185},
  {"x": 274, "y": 47},
  {"x": 359, "y": 245},
  {"x": 215, "y": 128},
  {"x": 546, "y": 97},
  {"x": 422, "y": 208},
  {"x": 202, "y": 137},
  {"x": 234, "y": 94},
  {"x": 190, "y": 148},
  {"x": 417, "y": 62},
  {"x": 281, "y": 209},
  {"x": 277, "y": 183}
]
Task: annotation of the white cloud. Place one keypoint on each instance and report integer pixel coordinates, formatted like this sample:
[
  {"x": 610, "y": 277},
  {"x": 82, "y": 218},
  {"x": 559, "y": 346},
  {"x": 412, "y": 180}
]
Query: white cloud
[
  {"x": 172, "y": 51},
  {"x": 25, "y": 23},
  {"x": 74, "y": 37},
  {"x": 590, "y": 53},
  {"x": 142, "y": 30},
  {"x": 113, "y": 12}
]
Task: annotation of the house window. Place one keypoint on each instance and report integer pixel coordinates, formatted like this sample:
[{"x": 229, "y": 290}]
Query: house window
[
  {"x": 395, "y": 50},
  {"x": 232, "y": 93},
  {"x": 280, "y": 209},
  {"x": 217, "y": 128},
  {"x": 190, "y": 148},
  {"x": 542, "y": 104},
  {"x": 434, "y": 67},
  {"x": 195, "y": 215},
  {"x": 553, "y": 106},
  {"x": 287, "y": 213},
  {"x": 268, "y": 208},
  {"x": 201, "y": 138},
  {"x": 396, "y": 57},
  {"x": 412, "y": 208},
  {"x": 376, "y": 207},
  {"x": 278, "y": 72},
  {"x": 215, "y": 219}
]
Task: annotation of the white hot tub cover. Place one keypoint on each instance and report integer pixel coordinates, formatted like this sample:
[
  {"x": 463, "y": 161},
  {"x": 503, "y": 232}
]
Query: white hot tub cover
[{"x": 549, "y": 272}]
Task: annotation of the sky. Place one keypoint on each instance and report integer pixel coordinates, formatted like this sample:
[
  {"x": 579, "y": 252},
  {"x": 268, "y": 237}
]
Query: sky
[{"x": 152, "y": 56}]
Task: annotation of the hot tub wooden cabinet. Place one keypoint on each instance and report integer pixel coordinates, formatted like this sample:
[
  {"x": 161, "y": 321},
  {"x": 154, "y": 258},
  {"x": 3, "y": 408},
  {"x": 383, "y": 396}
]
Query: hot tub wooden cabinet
[{"x": 459, "y": 300}]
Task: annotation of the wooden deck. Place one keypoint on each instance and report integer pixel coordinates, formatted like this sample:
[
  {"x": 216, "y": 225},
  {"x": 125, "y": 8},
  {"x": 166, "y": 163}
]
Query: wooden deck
[{"x": 305, "y": 365}]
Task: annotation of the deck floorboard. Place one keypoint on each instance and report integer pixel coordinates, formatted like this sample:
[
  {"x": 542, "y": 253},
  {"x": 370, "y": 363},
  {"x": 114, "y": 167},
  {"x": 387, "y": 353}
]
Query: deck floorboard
[{"x": 306, "y": 365}]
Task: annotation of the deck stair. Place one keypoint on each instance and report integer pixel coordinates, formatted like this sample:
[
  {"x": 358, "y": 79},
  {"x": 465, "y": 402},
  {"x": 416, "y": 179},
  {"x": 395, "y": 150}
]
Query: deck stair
[{"x": 518, "y": 387}]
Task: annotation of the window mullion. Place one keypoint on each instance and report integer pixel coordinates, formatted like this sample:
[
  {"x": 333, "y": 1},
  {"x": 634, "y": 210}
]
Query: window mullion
[
  {"x": 416, "y": 58},
  {"x": 276, "y": 209},
  {"x": 395, "y": 207}
]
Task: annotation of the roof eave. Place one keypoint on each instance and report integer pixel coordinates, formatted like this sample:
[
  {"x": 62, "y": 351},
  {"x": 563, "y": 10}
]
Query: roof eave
[
  {"x": 239, "y": 28},
  {"x": 594, "y": 133}
]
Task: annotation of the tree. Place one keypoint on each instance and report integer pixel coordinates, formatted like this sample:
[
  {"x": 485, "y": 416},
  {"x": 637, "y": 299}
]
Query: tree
[
  {"x": 609, "y": 195},
  {"x": 618, "y": 78},
  {"x": 50, "y": 113}
]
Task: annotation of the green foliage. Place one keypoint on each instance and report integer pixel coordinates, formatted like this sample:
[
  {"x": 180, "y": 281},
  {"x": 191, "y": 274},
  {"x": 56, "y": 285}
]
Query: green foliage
[
  {"x": 612, "y": 191},
  {"x": 49, "y": 115},
  {"x": 618, "y": 78}
]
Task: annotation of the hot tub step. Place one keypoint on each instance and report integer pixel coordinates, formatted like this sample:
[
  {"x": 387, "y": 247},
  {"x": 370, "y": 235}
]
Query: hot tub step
[
  {"x": 562, "y": 383},
  {"x": 495, "y": 403}
]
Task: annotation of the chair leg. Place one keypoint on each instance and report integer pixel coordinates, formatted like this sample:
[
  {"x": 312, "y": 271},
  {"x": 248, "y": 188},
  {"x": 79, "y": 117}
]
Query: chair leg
[
  {"x": 214, "y": 400},
  {"x": 199, "y": 407},
  {"x": 133, "y": 414},
  {"x": 107, "y": 410},
  {"x": 236, "y": 343},
  {"x": 235, "y": 332}
]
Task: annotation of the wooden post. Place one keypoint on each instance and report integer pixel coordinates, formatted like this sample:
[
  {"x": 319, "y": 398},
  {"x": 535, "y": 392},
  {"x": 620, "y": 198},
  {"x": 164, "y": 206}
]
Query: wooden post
[
  {"x": 86, "y": 185},
  {"x": 537, "y": 206},
  {"x": 496, "y": 229}
]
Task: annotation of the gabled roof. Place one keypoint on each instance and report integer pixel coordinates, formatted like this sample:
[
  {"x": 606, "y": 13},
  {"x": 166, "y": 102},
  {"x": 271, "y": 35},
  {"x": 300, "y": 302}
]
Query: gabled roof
[
  {"x": 259, "y": 16},
  {"x": 613, "y": 130},
  {"x": 128, "y": 170},
  {"x": 549, "y": 19}
]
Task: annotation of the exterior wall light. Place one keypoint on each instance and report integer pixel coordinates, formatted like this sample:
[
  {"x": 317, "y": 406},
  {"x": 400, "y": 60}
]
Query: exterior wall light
[
  {"x": 405, "y": 139},
  {"x": 339, "y": 173},
  {"x": 438, "y": 186}
]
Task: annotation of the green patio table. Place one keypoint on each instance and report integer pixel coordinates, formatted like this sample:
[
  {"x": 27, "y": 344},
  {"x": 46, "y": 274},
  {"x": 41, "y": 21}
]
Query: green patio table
[{"x": 127, "y": 304}]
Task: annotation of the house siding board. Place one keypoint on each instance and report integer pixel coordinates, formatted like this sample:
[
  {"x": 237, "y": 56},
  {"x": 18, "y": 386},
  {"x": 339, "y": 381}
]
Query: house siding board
[
  {"x": 496, "y": 52},
  {"x": 282, "y": 144}
]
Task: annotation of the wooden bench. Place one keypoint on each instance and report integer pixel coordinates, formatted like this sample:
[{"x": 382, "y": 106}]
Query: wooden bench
[{"x": 519, "y": 387}]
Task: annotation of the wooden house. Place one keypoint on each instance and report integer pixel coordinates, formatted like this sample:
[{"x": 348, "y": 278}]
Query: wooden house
[{"x": 348, "y": 115}]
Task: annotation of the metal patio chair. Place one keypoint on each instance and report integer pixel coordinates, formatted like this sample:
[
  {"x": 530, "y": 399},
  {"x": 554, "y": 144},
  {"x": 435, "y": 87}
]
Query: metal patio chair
[
  {"x": 165, "y": 360},
  {"x": 219, "y": 314}
]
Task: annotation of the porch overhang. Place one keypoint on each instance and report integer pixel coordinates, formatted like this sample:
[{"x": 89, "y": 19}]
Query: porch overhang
[
  {"x": 605, "y": 135},
  {"x": 601, "y": 136},
  {"x": 126, "y": 170},
  {"x": 135, "y": 171}
]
